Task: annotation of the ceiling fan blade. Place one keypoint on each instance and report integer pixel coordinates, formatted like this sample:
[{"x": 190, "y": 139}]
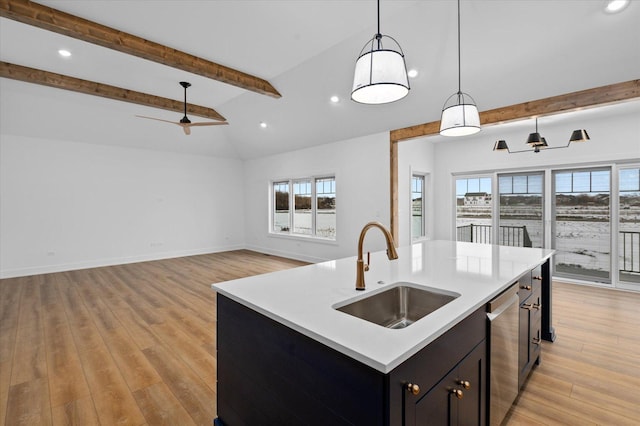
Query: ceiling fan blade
[
  {"x": 207, "y": 123},
  {"x": 157, "y": 119}
]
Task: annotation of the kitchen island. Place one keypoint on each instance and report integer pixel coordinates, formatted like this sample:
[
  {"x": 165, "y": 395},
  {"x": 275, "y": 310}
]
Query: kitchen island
[{"x": 286, "y": 355}]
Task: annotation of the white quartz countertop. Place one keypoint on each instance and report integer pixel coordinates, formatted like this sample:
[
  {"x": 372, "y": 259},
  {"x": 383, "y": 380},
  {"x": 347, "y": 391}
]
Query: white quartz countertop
[{"x": 303, "y": 298}]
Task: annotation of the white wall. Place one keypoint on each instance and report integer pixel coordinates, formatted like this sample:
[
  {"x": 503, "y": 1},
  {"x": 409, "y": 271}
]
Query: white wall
[
  {"x": 414, "y": 156},
  {"x": 66, "y": 205},
  {"x": 614, "y": 138},
  {"x": 361, "y": 167}
]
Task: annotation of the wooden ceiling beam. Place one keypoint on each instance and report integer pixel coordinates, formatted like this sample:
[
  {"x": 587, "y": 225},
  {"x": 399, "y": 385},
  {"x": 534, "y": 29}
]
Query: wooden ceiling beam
[
  {"x": 589, "y": 98},
  {"x": 60, "y": 22},
  {"x": 60, "y": 81}
]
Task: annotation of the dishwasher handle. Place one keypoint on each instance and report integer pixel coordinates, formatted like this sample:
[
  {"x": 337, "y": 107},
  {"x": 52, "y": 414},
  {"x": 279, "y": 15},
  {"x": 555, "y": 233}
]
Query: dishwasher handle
[{"x": 503, "y": 299}]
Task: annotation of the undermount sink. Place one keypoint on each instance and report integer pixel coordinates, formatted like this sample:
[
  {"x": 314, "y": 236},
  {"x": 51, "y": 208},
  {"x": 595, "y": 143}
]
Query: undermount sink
[{"x": 398, "y": 306}]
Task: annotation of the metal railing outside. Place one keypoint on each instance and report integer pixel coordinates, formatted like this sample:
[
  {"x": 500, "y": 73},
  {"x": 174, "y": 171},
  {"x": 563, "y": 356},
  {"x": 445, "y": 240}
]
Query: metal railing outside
[
  {"x": 516, "y": 236},
  {"x": 630, "y": 251}
]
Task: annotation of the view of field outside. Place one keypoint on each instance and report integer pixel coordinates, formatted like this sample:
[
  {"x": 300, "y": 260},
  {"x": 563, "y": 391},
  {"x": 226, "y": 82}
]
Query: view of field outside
[
  {"x": 473, "y": 209},
  {"x": 629, "y": 225},
  {"x": 417, "y": 207},
  {"x": 582, "y": 218},
  {"x": 521, "y": 206},
  {"x": 582, "y": 233},
  {"x": 302, "y": 219}
]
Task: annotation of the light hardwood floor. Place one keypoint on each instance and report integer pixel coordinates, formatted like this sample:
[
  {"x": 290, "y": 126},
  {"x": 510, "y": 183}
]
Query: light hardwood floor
[
  {"x": 121, "y": 345},
  {"x": 135, "y": 345}
]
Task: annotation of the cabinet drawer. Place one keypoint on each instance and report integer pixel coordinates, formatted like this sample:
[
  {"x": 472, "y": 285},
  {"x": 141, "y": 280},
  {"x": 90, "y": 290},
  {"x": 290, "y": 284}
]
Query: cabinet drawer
[
  {"x": 525, "y": 287},
  {"x": 536, "y": 278}
]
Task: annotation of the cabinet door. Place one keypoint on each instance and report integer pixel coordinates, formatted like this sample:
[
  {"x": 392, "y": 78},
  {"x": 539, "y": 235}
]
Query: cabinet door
[
  {"x": 530, "y": 334},
  {"x": 438, "y": 406},
  {"x": 472, "y": 381},
  {"x": 524, "y": 353},
  {"x": 460, "y": 397},
  {"x": 535, "y": 328}
]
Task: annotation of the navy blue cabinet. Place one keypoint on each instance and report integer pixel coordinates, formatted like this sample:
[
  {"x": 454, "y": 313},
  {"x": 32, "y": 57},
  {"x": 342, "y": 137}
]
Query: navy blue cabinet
[{"x": 269, "y": 374}]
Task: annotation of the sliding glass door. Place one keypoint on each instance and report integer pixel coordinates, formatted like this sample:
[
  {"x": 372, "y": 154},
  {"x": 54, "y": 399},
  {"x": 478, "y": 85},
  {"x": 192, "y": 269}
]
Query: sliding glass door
[
  {"x": 521, "y": 220},
  {"x": 473, "y": 209},
  {"x": 629, "y": 225},
  {"x": 582, "y": 224}
]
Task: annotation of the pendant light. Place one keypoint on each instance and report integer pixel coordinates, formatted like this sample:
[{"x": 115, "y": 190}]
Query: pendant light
[
  {"x": 579, "y": 135},
  {"x": 538, "y": 142},
  {"x": 535, "y": 140},
  {"x": 380, "y": 76},
  {"x": 459, "y": 114}
]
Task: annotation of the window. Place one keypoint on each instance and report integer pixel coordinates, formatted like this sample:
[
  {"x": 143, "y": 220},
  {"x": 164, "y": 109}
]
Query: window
[
  {"x": 302, "y": 217},
  {"x": 326, "y": 207},
  {"x": 473, "y": 209},
  {"x": 629, "y": 225},
  {"x": 521, "y": 207},
  {"x": 417, "y": 207},
  {"x": 314, "y": 207},
  {"x": 281, "y": 207},
  {"x": 582, "y": 225}
]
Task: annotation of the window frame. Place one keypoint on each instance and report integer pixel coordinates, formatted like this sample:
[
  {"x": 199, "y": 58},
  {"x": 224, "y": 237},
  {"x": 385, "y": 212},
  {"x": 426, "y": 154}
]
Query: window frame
[
  {"x": 492, "y": 188},
  {"x": 424, "y": 234},
  {"x": 291, "y": 232}
]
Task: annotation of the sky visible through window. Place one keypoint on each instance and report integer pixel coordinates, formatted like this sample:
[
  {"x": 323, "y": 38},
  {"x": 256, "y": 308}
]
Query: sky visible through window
[
  {"x": 630, "y": 180},
  {"x": 597, "y": 181},
  {"x": 464, "y": 186}
]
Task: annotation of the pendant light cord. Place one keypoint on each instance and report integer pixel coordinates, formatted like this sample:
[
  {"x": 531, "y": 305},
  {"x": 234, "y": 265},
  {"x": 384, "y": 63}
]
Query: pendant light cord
[
  {"x": 459, "y": 68},
  {"x": 378, "y": 16},
  {"x": 379, "y": 34}
]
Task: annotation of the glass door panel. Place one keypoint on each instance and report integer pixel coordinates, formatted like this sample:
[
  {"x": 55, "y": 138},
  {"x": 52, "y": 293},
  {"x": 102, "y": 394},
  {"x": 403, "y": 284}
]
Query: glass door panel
[
  {"x": 629, "y": 225},
  {"x": 473, "y": 209},
  {"x": 582, "y": 225},
  {"x": 521, "y": 220},
  {"x": 417, "y": 207}
]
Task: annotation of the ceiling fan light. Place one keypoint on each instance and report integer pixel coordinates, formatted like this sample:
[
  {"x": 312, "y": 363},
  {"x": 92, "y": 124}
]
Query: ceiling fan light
[
  {"x": 501, "y": 145},
  {"x": 580, "y": 135},
  {"x": 461, "y": 118},
  {"x": 380, "y": 75}
]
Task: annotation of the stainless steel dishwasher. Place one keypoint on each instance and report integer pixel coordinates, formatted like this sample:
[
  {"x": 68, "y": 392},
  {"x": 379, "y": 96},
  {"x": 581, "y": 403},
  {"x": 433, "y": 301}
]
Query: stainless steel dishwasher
[{"x": 503, "y": 316}]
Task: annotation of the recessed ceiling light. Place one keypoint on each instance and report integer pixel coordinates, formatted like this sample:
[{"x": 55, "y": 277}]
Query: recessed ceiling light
[
  {"x": 413, "y": 73},
  {"x": 614, "y": 6},
  {"x": 335, "y": 99},
  {"x": 64, "y": 53},
  {"x": 263, "y": 124}
]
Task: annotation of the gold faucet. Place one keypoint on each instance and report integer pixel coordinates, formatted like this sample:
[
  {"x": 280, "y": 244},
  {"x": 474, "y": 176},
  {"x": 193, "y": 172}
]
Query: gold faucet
[{"x": 362, "y": 267}]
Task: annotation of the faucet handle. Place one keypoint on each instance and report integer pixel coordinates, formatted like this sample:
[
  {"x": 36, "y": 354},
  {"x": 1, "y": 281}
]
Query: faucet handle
[{"x": 366, "y": 265}]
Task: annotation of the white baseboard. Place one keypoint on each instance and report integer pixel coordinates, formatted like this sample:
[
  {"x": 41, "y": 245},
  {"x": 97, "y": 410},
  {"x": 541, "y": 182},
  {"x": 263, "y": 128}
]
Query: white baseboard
[
  {"x": 48, "y": 269},
  {"x": 287, "y": 254}
]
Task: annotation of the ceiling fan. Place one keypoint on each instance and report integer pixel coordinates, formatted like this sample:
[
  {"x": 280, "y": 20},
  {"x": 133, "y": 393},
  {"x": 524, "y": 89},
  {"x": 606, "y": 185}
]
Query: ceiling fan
[{"x": 184, "y": 122}]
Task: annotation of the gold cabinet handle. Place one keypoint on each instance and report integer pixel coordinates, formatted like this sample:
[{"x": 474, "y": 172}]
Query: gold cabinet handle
[
  {"x": 527, "y": 306},
  {"x": 413, "y": 388},
  {"x": 465, "y": 384},
  {"x": 525, "y": 287},
  {"x": 458, "y": 393},
  {"x": 535, "y": 340},
  {"x": 537, "y": 277},
  {"x": 536, "y": 306}
]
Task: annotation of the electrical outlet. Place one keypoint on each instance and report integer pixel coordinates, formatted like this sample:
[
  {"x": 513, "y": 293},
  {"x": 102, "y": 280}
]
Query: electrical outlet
[{"x": 51, "y": 253}]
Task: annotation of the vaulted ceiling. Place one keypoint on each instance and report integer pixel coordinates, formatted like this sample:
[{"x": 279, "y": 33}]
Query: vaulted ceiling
[{"x": 512, "y": 52}]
